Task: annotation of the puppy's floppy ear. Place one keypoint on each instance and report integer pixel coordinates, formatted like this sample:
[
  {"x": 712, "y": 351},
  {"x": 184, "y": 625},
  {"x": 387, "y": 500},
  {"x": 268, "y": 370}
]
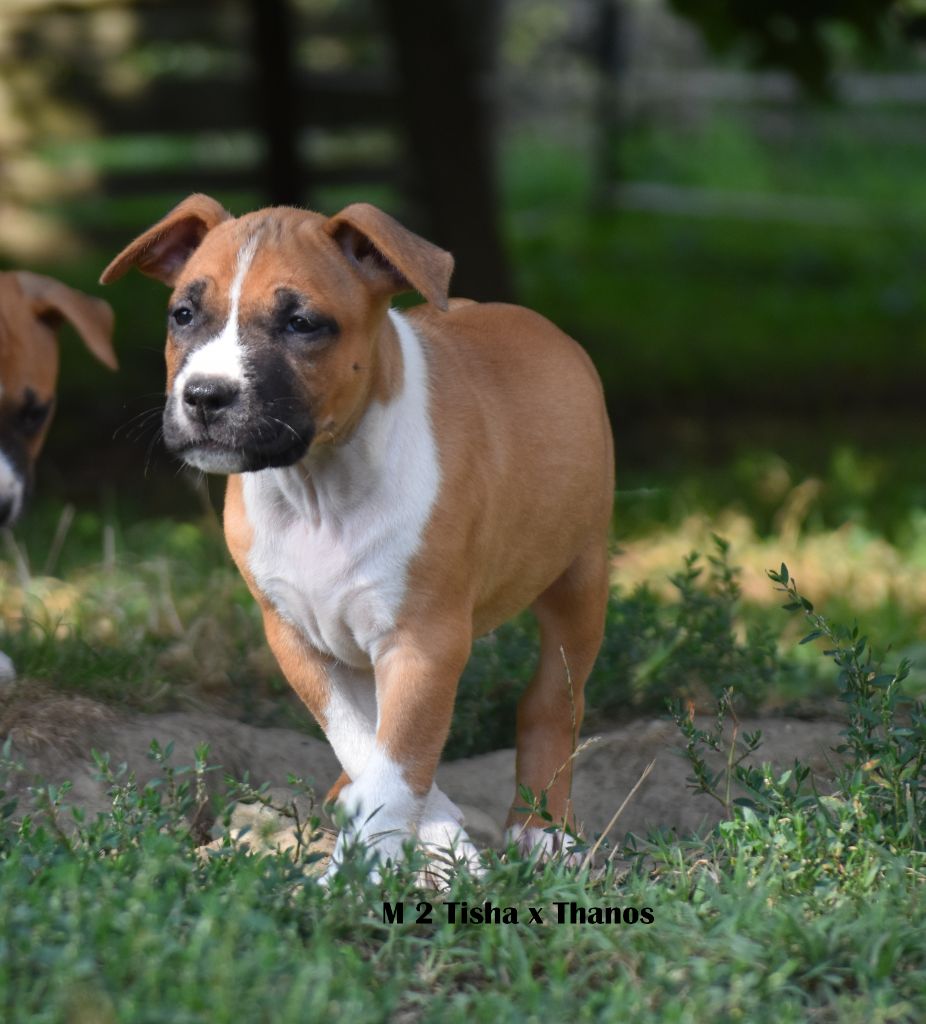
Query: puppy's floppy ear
[
  {"x": 51, "y": 301},
  {"x": 389, "y": 256},
  {"x": 162, "y": 251}
]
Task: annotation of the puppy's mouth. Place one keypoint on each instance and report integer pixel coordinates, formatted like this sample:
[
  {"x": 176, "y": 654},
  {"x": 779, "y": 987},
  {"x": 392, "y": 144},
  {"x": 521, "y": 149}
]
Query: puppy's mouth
[
  {"x": 212, "y": 457},
  {"x": 221, "y": 451}
]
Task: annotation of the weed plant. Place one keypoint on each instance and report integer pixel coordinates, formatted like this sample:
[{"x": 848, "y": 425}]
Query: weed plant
[{"x": 856, "y": 842}]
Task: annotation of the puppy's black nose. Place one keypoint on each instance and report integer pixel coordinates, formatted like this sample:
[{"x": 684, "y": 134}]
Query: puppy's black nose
[
  {"x": 6, "y": 511},
  {"x": 206, "y": 398}
]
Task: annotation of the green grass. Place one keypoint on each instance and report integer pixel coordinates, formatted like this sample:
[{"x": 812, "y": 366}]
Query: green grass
[
  {"x": 150, "y": 934},
  {"x": 797, "y": 906},
  {"x": 148, "y": 615}
]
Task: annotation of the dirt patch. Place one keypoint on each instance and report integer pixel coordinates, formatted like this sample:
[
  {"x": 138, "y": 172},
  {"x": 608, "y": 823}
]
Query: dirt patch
[{"x": 53, "y": 735}]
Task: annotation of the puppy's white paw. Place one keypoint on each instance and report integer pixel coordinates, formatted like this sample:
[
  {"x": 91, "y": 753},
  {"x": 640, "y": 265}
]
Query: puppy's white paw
[
  {"x": 443, "y": 837},
  {"x": 381, "y": 812},
  {"x": 385, "y": 832},
  {"x": 547, "y": 845},
  {"x": 7, "y": 669},
  {"x": 380, "y": 848}
]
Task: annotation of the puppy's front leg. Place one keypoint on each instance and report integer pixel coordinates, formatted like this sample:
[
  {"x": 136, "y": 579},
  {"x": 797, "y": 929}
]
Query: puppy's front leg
[{"x": 393, "y": 798}]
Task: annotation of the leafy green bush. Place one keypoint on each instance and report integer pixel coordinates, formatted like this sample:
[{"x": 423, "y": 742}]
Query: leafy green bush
[
  {"x": 885, "y": 743},
  {"x": 872, "y": 823},
  {"x": 691, "y": 647},
  {"x": 651, "y": 651}
]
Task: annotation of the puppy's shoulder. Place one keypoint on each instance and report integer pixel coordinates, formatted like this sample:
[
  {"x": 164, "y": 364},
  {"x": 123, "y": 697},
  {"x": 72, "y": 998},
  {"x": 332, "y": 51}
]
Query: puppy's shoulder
[{"x": 466, "y": 316}]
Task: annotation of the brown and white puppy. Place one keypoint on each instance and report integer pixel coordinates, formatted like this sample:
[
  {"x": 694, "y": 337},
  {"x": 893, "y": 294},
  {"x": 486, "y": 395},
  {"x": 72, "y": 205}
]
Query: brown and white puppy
[
  {"x": 399, "y": 483},
  {"x": 32, "y": 308}
]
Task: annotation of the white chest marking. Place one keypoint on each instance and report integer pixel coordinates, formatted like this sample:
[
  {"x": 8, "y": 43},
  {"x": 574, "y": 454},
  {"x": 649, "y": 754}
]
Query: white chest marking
[{"x": 334, "y": 534}]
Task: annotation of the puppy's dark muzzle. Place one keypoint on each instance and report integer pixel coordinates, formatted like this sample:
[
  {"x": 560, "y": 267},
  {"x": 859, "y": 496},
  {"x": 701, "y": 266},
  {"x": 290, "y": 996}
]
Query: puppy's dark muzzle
[
  {"x": 208, "y": 399},
  {"x": 217, "y": 425}
]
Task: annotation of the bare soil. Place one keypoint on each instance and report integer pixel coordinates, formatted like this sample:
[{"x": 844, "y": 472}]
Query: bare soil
[{"x": 52, "y": 735}]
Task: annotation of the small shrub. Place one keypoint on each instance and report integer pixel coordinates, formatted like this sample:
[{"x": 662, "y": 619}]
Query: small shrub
[
  {"x": 847, "y": 841},
  {"x": 885, "y": 741},
  {"x": 690, "y": 648},
  {"x": 651, "y": 651}
]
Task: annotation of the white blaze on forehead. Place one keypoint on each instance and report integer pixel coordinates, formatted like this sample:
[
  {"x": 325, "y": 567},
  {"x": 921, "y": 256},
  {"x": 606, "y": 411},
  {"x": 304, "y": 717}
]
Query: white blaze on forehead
[
  {"x": 11, "y": 487},
  {"x": 223, "y": 355}
]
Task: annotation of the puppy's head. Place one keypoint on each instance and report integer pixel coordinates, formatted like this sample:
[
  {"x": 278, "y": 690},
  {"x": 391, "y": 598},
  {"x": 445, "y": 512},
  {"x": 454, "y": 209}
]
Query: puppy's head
[
  {"x": 32, "y": 307},
  {"x": 274, "y": 324}
]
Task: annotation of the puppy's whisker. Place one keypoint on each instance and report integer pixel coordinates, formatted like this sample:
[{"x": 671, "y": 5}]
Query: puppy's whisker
[
  {"x": 285, "y": 425},
  {"x": 283, "y": 398},
  {"x": 138, "y": 434},
  {"x": 151, "y": 410},
  {"x": 145, "y": 397},
  {"x": 135, "y": 427},
  {"x": 159, "y": 433}
]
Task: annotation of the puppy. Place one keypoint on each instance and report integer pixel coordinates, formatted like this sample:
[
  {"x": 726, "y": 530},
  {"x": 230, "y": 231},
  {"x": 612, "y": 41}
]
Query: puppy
[
  {"x": 32, "y": 307},
  {"x": 398, "y": 484}
]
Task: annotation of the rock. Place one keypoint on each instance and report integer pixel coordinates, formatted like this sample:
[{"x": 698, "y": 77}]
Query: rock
[{"x": 263, "y": 830}]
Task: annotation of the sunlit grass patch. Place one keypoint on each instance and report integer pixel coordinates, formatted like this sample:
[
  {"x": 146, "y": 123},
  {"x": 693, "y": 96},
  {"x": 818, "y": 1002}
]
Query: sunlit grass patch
[
  {"x": 156, "y": 618},
  {"x": 849, "y": 560},
  {"x": 152, "y": 615}
]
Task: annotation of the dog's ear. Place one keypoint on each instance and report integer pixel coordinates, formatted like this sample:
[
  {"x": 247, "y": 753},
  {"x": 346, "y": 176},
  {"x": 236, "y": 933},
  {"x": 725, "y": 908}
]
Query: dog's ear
[
  {"x": 162, "y": 251},
  {"x": 51, "y": 301},
  {"x": 391, "y": 257}
]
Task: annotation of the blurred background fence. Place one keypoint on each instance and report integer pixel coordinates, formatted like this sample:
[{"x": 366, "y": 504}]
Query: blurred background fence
[{"x": 727, "y": 207}]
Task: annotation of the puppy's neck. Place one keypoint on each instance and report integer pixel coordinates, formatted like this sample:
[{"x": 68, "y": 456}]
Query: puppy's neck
[{"x": 390, "y": 438}]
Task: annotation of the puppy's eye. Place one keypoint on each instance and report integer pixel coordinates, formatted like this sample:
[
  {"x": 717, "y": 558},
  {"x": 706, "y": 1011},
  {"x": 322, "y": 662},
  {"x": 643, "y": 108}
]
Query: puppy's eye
[
  {"x": 300, "y": 325},
  {"x": 316, "y": 326},
  {"x": 182, "y": 315},
  {"x": 31, "y": 417}
]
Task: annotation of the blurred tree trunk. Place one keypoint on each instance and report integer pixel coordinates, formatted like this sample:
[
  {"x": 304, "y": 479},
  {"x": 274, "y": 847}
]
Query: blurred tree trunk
[
  {"x": 609, "y": 49},
  {"x": 276, "y": 92},
  {"x": 444, "y": 51}
]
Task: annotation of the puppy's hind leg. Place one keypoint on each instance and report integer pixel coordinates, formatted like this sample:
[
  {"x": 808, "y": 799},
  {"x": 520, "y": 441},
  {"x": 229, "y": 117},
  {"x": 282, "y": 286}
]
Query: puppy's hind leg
[{"x": 571, "y": 614}]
